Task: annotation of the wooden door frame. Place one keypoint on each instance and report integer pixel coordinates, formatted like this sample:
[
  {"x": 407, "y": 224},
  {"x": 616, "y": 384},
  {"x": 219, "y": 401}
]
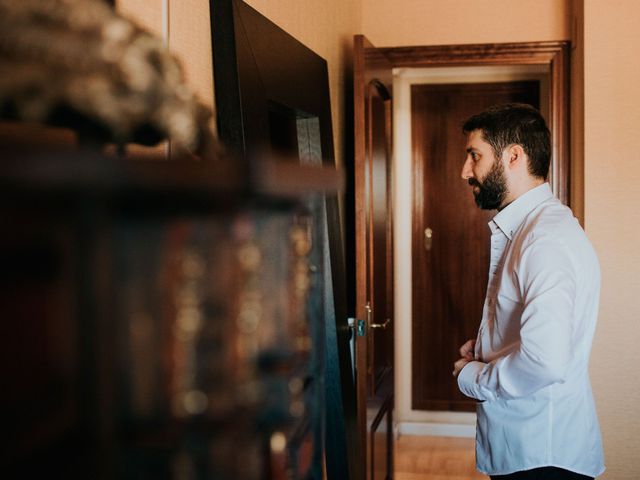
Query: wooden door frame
[
  {"x": 554, "y": 55},
  {"x": 363, "y": 80}
]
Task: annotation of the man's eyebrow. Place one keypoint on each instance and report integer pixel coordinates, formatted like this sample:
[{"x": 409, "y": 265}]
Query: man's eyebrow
[{"x": 471, "y": 149}]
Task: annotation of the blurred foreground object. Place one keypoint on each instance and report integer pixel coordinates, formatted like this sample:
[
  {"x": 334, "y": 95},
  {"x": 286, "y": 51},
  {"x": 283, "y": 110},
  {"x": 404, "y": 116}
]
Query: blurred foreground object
[
  {"x": 78, "y": 64},
  {"x": 162, "y": 319}
]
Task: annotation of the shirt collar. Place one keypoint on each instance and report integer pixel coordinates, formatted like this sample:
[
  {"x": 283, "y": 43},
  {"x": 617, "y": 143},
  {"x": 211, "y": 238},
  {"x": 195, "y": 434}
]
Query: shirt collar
[{"x": 511, "y": 217}]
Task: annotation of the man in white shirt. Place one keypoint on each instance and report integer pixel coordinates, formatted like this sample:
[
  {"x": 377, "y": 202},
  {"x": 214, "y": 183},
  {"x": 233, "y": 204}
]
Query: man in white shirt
[{"x": 528, "y": 367}]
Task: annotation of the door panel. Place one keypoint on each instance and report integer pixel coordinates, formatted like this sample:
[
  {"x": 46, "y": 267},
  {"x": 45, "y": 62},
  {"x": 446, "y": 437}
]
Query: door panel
[
  {"x": 450, "y": 235},
  {"x": 374, "y": 263},
  {"x": 379, "y": 244},
  {"x": 381, "y": 444}
]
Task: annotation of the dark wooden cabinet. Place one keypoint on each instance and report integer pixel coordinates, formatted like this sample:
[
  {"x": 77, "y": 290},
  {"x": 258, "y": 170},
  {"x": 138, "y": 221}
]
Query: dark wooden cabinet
[{"x": 162, "y": 319}]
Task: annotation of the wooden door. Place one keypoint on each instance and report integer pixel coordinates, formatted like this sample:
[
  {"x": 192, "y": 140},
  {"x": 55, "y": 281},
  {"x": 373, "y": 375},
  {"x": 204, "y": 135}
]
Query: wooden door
[
  {"x": 374, "y": 265},
  {"x": 450, "y": 235}
]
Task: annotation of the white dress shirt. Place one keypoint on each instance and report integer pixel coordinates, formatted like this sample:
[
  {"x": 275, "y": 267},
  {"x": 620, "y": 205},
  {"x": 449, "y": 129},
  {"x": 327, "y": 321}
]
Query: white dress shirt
[{"x": 532, "y": 352}]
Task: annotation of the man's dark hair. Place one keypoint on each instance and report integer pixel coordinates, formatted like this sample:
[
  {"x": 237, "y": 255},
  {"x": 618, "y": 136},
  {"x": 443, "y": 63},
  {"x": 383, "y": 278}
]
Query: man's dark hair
[{"x": 515, "y": 123}]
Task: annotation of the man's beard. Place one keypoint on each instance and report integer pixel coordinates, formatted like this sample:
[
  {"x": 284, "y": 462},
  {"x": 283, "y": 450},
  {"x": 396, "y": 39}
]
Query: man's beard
[{"x": 493, "y": 188}]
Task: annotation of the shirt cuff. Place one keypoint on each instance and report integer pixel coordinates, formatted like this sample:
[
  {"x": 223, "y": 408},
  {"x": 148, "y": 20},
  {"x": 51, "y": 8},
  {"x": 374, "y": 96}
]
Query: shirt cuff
[{"x": 468, "y": 381}]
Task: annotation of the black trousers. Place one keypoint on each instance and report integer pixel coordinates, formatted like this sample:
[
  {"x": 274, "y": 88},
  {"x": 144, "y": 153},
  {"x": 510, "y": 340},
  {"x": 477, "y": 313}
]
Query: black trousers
[{"x": 544, "y": 473}]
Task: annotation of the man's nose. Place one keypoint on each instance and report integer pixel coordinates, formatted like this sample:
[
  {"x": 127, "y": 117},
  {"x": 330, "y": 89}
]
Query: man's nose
[{"x": 467, "y": 172}]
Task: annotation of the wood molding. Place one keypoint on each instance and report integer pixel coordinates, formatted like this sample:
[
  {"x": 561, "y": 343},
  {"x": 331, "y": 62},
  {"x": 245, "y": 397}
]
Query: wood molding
[
  {"x": 472, "y": 54},
  {"x": 360, "y": 44},
  {"x": 371, "y": 101}
]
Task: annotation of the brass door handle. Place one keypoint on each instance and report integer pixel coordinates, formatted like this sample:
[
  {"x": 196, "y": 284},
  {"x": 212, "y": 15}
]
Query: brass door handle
[
  {"x": 370, "y": 323},
  {"x": 382, "y": 326},
  {"x": 428, "y": 238}
]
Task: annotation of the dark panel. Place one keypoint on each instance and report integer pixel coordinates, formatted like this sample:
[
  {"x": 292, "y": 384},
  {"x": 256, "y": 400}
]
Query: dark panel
[
  {"x": 381, "y": 444},
  {"x": 256, "y": 66},
  {"x": 380, "y": 273},
  {"x": 373, "y": 259},
  {"x": 228, "y": 106},
  {"x": 269, "y": 82}
]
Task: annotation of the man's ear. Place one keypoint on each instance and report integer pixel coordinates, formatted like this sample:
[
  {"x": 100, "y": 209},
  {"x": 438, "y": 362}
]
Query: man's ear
[{"x": 516, "y": 156}]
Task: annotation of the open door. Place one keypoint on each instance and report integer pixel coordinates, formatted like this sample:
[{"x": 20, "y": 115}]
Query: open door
[
  {"x": 374, "y": 261},
  {"x": 374, "y": 271}
]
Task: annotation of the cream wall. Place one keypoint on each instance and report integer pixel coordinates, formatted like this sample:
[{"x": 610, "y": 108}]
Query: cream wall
[
  {"x": 187, "y": 35},
  {"x": 147, "y": 13},
  {"x": 441, "y": 22},
  {"x": 612, "y": 218}
]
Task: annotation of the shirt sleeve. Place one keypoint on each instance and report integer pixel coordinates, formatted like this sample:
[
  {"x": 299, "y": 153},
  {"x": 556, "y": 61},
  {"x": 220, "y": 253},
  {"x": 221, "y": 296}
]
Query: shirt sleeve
[{"x": 547, "y": 281}]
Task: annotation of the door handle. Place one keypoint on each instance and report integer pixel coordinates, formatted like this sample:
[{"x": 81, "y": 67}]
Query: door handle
[
  {"x": 428, "y": 238},
  {"x": 381, "y": 326}
]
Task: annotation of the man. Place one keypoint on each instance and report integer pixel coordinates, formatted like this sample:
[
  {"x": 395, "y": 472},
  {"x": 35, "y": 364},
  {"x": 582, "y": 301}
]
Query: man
[{"x": 528, "y": 368}]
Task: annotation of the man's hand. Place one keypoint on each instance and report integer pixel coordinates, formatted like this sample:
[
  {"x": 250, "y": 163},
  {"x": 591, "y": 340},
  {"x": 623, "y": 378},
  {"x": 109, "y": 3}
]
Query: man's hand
[
  {"x": 458, "y": 366},
  {"x": 466, "y": 351}
]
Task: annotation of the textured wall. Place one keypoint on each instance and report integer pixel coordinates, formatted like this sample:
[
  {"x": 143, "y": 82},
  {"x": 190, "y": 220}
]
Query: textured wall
[
  {"x": 188, "y": 37},
  {"x": 612, "y": 217},
  {"x": 147, "y": 13},
  {"x": 442, "y": 22},
  {"x": 190, "y": 40}
]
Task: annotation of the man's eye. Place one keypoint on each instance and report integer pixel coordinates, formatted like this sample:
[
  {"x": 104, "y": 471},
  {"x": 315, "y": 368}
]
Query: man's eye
[{"x": 474, "y": 156}]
